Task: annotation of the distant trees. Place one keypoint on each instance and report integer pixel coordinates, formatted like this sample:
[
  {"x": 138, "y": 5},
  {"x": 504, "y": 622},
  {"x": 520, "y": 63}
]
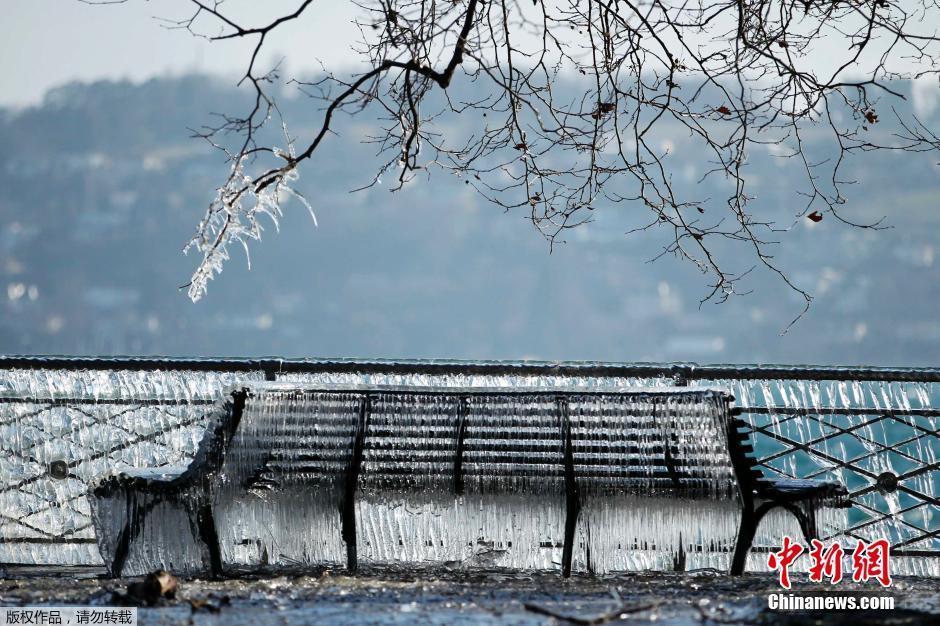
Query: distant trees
[{"x": 733, "y": 76}]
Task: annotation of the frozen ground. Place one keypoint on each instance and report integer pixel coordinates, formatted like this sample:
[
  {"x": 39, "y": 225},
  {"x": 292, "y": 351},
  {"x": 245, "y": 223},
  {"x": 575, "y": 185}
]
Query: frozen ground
[{"x": 479, "y": 599}]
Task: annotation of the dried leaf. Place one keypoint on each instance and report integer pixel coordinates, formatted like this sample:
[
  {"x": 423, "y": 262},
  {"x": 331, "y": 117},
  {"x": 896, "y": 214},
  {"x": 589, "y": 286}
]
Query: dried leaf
[
  {"x": 815, "y": 216},
  {"x": 154, "y": 587}
]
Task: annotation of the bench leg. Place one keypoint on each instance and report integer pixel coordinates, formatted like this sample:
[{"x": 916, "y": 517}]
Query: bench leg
[
  {"x": 806, "y": 519},
  {"x": 571, "y": 524},
  {"x": 589, "y": 561},
  {"x": 134, "y": 522},
  {"x": 750, "y": 519},
  {"x": 205, "y": 522},
  {"x": 120, "y": 552},
  {"x": 347, "y": 507},
  {"x": 745, "y": 538}
]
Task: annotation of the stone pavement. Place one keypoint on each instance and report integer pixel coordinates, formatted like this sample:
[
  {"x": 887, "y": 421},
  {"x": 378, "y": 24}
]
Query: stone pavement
[{"x": 478, "y": 599}]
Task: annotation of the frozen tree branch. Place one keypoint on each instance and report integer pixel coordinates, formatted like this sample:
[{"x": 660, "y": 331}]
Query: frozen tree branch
[{"x": 573, "y": 99}]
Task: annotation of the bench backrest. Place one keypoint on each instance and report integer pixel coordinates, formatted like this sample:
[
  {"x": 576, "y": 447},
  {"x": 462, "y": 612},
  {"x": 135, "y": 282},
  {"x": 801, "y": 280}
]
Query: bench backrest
[{"x": 484, "y": 441}]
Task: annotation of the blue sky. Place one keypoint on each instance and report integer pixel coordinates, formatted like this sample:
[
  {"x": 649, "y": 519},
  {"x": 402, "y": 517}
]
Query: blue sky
[{"x": 44, "y": 43}]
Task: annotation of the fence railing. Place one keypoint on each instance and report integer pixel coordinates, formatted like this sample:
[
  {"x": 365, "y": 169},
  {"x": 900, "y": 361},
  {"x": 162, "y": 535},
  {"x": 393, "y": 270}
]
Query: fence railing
[{"x": 66, "y": 421}]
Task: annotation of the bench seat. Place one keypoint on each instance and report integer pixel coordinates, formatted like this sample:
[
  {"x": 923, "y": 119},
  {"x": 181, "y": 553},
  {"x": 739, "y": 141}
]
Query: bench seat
[
  {"x": 830, "y": 492},
  {"x": 296, "y": 460}
]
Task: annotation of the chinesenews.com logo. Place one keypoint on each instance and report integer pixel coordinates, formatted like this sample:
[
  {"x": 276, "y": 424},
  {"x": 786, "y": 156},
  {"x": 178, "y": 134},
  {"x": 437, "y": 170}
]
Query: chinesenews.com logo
[{"x": 870, "y": 561}]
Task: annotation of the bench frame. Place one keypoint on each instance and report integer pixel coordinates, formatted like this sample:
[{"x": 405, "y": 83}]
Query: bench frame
[
  {"x": 757, "y": 495},
  {"x": 760, "y": 495},
  {"x": 193, "y": 487}
]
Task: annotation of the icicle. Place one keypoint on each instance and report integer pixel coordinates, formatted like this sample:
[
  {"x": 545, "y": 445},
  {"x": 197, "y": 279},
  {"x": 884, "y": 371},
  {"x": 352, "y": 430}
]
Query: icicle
[
  {"x": 80, "y": 416},
  {"x": 61, "y": 430}
]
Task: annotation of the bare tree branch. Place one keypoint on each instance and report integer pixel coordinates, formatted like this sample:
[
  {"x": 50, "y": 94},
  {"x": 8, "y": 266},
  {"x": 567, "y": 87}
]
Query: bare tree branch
[{"x": 577, "y": 106}]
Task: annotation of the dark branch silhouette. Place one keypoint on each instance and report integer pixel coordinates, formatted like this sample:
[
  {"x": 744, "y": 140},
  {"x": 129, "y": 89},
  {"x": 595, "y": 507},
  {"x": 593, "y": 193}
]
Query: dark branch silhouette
[{"x": 573, "y": 99}]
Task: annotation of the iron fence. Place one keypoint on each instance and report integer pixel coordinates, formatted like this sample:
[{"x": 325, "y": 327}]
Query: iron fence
[{"x": 66, "y": 421}]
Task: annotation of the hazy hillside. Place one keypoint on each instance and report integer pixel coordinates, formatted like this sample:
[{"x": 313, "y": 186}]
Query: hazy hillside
[{"x": 101, "y": 187}]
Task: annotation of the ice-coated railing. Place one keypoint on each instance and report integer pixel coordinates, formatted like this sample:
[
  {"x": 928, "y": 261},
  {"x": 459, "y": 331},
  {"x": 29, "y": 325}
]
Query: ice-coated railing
[
  {"x": 60, "y": 428},
  {"x": 65, "y": 422}
]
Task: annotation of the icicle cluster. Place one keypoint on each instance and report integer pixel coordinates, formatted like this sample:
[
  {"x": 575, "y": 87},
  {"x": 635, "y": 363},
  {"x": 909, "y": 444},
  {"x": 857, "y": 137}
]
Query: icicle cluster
[
  {"x": 287, "y": 478},
  {"x": 60, "y": 430},
  {"x": 858, "y": 430},
  {"x": 106, "y": 420},
  {"x": 234, "y": 217}
]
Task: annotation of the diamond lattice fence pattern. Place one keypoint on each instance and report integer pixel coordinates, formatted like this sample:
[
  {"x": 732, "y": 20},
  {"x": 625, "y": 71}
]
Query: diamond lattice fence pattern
[
  {"x": 60, "y": 429},
  {"x": 880, "y": 439}
]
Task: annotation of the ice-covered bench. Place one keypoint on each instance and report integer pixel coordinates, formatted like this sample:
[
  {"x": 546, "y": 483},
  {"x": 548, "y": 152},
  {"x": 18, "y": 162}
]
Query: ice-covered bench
[{"x": 292, "y": 477}]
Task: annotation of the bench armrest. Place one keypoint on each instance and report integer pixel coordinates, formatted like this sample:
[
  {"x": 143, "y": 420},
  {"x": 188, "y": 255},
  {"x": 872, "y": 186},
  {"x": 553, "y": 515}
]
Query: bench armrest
[{"x": 828, "y": 492}]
